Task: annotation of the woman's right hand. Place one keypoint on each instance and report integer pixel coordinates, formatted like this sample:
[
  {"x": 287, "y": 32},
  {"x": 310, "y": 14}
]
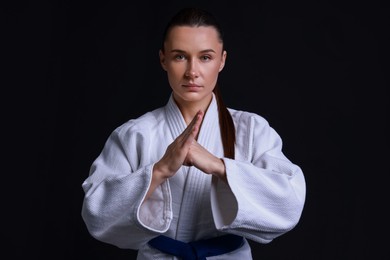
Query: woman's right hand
[{"x": 176, "y": 153}]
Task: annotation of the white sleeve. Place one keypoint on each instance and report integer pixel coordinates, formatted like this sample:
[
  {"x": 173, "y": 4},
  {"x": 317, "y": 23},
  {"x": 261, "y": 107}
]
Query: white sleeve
[
  {"x": 266, "y": 191},
  {"x": 113, "y": 208}
]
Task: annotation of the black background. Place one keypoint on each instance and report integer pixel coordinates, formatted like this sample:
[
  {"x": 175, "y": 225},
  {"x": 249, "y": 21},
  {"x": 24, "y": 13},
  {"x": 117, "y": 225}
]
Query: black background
[{"x": 318, "y": 71}]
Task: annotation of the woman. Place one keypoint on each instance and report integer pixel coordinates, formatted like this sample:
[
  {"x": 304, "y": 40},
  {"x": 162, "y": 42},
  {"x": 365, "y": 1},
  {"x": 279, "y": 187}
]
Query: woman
[{"x": 193, "y": 179}]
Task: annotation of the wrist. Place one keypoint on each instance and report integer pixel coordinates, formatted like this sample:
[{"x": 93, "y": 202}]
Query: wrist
[
  {"x": 220, "y": 169},
  {"x": 160, "y": 172}
]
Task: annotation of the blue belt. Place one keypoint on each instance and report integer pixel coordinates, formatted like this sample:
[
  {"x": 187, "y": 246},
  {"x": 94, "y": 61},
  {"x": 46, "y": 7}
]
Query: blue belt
[{"x": 197, "y": 250}]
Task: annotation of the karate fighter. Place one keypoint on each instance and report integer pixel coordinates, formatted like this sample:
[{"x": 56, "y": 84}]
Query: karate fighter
[{"x": 193, "y": 179}]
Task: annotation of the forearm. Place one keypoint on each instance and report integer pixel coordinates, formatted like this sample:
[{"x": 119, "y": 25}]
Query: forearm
[{"x": 159, "y": 175}]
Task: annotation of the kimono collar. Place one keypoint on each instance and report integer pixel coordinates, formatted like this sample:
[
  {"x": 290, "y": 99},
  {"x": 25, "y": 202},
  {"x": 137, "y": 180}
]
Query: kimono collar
[{"x": 209, "y": 130}]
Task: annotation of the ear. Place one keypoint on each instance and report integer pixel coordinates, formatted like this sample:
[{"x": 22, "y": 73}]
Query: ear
[
  {"x": 223, "y": 60},
  {"x": 162, "y": 60}
]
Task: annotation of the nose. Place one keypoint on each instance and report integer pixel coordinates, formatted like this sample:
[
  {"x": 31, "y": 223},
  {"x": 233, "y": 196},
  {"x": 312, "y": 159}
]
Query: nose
[{"x": 192, "y": 70}]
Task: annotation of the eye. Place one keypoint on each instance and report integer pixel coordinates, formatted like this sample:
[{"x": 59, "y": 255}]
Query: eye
[
  {"x": 205, "y": 58},
  {"x": 179, "y": 57}
]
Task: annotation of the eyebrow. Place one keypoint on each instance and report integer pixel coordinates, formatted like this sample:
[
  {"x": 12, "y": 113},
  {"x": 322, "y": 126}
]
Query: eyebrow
[{"x": 203, "y": 51}]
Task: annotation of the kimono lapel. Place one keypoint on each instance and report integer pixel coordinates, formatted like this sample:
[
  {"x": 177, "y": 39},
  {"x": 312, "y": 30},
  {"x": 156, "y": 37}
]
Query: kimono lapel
[
  {"x": 190, "y": 186},
  {"x": 174, "y": 118},
  {"x": 209, "y": 135},
  {"x": 177, "y": 183}
]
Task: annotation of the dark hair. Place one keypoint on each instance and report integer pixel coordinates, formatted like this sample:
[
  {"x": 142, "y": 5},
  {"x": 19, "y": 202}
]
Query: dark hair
[{"x": 196, "y": 17}]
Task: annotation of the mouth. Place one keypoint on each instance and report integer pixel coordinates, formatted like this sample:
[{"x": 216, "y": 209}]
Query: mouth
[{"x": 192, "y": 87}]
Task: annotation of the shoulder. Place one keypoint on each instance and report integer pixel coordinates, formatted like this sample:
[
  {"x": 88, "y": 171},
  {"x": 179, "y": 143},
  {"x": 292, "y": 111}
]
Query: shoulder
[
  {"x": 252, "y": 125},
  {"x": 253, "y": 134},
  {"x": 247, "y": 118},
  {"x": 141, "y": 125}
]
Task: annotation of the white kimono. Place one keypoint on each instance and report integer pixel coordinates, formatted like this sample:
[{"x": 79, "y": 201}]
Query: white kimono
[{"x": 264, "y": 199}]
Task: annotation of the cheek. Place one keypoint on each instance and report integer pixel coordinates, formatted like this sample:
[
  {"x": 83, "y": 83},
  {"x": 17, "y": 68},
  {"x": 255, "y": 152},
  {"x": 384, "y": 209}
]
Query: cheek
[
  {"x": 175, "y": 74},
  {"x": 175, "y": 70},
  {"x": 212, "y": 71}
]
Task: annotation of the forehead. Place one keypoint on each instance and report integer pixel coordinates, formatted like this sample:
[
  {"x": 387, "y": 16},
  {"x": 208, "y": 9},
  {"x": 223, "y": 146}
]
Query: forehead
[{"x": 202, "y": 37}]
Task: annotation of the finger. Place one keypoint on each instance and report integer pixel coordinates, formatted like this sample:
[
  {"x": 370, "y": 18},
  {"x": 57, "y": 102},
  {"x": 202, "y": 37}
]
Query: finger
[
  {"x": 195, "y": 121},
  {"x": 194, "y": 126},
  {"x": 198, "y": 119}
]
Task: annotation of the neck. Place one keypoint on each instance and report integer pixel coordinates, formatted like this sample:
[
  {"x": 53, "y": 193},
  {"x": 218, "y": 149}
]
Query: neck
[{"x": 189, "y": 108}]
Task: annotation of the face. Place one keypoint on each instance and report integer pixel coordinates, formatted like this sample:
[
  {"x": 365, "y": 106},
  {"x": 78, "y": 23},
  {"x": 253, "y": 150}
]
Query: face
[{"x": 192, "y": 58}]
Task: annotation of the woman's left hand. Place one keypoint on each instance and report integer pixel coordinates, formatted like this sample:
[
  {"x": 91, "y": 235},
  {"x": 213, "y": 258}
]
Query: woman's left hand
[{"x": 201, "y": 158}]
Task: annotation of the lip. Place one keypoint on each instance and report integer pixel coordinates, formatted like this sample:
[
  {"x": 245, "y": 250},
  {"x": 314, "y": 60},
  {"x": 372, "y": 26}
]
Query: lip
[{"x": 192, "y": 87}]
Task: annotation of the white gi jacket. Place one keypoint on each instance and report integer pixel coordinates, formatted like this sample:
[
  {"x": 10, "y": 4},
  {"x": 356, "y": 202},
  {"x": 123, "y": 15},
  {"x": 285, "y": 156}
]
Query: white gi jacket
[{"x": 264, "y": 199}]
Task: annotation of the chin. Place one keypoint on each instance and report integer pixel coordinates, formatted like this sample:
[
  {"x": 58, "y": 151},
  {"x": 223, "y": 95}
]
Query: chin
[{"x": 194, "y": 96}]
